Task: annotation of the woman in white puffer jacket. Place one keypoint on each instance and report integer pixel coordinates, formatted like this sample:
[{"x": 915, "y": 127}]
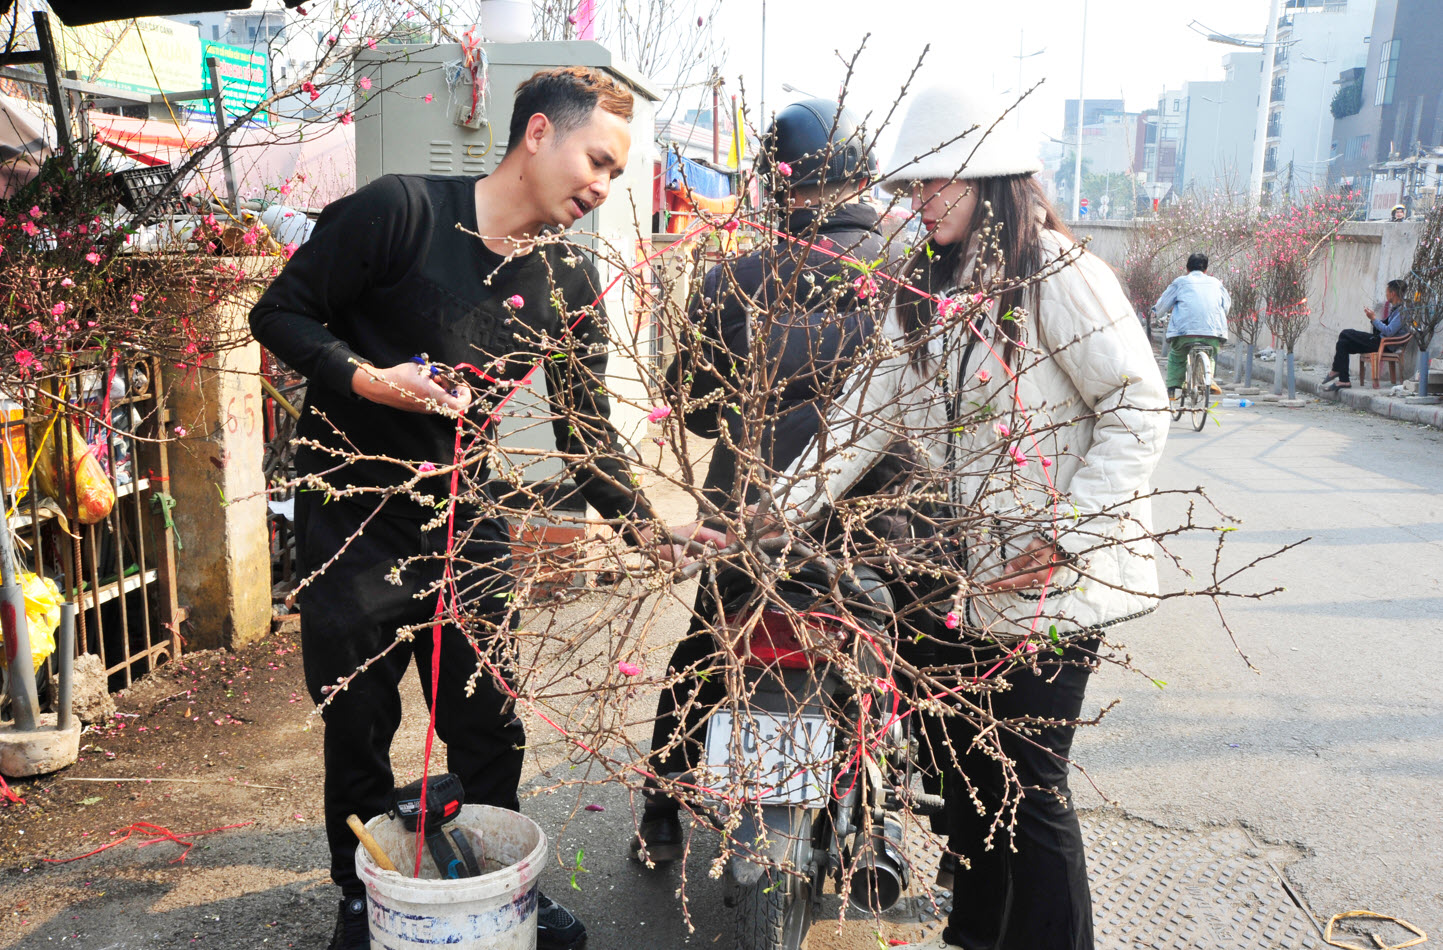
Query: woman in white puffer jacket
[{"x": 1044, "y": 421}]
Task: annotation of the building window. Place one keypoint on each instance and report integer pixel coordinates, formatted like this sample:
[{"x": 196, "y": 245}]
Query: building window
[
  {"x": 215, "y": 32},
  {"x": 1387, "y": 73}
]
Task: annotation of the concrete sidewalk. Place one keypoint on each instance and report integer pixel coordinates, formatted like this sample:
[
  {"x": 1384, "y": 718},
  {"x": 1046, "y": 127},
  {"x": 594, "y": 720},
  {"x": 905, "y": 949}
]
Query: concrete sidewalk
[{"x": 1309, "y": 379}]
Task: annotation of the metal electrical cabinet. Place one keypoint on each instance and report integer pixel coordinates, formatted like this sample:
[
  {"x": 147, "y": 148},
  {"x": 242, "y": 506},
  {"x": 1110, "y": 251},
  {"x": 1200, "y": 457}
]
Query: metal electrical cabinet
[{"x": 399, "y": 131}]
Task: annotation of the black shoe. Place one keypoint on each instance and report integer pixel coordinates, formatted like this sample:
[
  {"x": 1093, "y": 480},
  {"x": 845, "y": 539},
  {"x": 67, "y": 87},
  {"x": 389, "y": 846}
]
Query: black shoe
[
  {"x": 556, "y": 927},
  {"x": 353, "y": 931},
  {"x": 659, "y": 840}
]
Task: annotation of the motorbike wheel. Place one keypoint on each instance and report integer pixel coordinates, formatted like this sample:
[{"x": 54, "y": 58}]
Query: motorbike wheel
[{"x": 775, "y": 913}]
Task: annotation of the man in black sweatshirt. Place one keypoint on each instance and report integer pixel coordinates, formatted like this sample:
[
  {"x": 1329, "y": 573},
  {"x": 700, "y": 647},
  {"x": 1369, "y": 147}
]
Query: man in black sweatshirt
[{"x": 391, "y": 273}]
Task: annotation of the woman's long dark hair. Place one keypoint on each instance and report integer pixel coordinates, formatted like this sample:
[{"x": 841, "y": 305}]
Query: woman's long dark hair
[{"x": 1008, "y": 205}]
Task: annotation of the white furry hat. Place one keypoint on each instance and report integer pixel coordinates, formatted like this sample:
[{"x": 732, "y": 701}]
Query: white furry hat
[{"x": 941, "y": 113}]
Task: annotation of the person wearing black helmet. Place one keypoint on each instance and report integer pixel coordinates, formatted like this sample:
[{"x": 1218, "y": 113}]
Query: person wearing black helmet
[{"x": 815, "y": 162}]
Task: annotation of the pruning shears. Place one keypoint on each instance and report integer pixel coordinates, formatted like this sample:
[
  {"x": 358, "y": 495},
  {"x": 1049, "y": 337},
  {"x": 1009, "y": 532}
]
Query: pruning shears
[{"x": 440, "y": 375}]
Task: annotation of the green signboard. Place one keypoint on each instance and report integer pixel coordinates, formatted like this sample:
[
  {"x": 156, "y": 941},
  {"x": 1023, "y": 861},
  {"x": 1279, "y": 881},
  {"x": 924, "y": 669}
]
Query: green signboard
[{"x": 244, "y": 79}]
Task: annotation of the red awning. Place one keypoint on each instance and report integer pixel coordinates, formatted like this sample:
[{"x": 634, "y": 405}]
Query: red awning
[{"x": 151, "y": 141}]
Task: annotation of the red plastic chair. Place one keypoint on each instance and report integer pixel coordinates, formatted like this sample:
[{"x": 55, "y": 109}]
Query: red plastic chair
[{"x": 1390, "y": 351}]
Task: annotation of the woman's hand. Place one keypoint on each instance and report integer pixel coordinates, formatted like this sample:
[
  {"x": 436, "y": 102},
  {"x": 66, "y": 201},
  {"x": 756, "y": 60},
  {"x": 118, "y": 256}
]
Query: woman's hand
[
  {"x": 1032, "y": 568},
  {"x": 407, "y": 386}
]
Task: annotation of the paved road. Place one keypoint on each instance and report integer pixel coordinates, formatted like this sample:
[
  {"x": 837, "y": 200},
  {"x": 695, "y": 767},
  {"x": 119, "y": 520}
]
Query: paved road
[
  {"x": 1335, "y": 745},
  {"x": 1326, "y": 761}
]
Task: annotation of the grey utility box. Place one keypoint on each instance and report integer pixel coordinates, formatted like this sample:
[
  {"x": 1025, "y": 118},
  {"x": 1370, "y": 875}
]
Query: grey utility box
[{"x": 398, "y": 131}]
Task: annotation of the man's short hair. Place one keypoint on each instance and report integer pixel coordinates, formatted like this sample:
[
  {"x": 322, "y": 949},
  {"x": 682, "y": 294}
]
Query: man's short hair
[
  {"x": 566, "y": 96},
  {"x": 1197, "y": 260},
  {"x": 1399, "y": 286}
]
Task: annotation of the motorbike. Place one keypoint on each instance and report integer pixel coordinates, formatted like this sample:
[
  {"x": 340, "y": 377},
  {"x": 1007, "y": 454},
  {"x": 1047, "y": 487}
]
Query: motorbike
[{"x": 814, "y": 752}]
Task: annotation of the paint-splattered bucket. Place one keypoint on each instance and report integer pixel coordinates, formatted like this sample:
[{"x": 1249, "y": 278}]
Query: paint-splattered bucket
[{"x": 496, "y": 910}]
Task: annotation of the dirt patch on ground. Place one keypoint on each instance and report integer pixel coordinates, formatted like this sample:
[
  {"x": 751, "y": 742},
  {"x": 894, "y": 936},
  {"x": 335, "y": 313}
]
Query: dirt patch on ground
[{"x": 215, "y": 740}]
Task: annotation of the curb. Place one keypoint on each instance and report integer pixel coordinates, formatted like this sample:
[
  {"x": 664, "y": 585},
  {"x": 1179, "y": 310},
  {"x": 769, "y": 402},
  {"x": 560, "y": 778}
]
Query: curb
[{"x": 1364, "y": 400}]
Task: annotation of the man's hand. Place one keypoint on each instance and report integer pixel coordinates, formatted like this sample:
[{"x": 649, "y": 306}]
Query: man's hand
[
  {"x": 677, "y": 554},
  {"x": 407, "y": 386},
  {"x": 1368, "y": 311},
  {"x": 1032, "y": 567},
  {"x": 770, "y": 527}
]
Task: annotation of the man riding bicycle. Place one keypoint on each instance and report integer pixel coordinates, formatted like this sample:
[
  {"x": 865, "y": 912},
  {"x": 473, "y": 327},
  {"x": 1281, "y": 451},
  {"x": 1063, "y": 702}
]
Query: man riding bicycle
[{"x": 1199, "y": 305}]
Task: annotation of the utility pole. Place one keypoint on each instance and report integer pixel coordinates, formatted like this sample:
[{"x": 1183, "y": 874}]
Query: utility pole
[
  {"x": 1265, "y": 99},
  {"x": 715, "y": 117},
  {"x": 762, "y": 108},
  {"x": 1081, "y": 111}
]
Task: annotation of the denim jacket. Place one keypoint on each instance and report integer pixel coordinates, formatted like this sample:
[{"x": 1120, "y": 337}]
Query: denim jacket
[
  {"x": 1390, "y": 320},
  {"x": 1199, "y": 306}
]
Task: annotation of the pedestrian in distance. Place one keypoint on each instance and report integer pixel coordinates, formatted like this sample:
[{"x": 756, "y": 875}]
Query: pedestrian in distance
[
  {"x": 1199, "y": 305},
  {"x": 397, "y": 270},
  {"x": 1387, "y": 320},
  {"x": 1088, "y": 404}
]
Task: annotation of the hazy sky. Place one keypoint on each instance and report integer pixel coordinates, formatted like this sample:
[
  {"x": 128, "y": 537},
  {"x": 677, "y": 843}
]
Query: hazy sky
[{"x": 1135, "y": 48}]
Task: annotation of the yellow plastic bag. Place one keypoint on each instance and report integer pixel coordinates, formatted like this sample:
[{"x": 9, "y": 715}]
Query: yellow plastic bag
[
  {"x": 42, "y": 614},
  {"x": 84, "y": 489}
]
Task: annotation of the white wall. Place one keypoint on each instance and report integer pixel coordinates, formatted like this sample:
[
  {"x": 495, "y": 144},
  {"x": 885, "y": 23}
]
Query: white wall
[{"x": 1346, "y": 277}]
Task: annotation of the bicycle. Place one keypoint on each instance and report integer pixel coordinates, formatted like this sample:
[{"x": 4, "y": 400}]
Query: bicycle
[{"x": 1196, "y": 386}]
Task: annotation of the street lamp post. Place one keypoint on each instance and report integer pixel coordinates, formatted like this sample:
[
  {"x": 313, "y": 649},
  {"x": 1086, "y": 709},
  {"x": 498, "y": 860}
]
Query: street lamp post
[
  {"x": 1081, "y": 111},
  {"x": 1318, "y": 160},
  {"x": 1265, "y": 96},
  {"x": 1269, "y": 46}
]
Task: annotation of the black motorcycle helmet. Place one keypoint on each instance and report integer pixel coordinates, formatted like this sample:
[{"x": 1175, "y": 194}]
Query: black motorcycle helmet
[{"x": 821, "y": 144}]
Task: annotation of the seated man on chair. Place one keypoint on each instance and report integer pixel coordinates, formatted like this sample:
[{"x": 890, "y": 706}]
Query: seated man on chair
[
  {"x": 1387, "y": 323},
  {"x": 1199, "y": 305}
]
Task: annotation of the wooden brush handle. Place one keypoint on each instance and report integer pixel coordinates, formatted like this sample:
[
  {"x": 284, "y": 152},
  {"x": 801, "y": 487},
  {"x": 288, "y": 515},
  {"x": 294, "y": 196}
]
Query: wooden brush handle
[{"x": 372, "y": 848}]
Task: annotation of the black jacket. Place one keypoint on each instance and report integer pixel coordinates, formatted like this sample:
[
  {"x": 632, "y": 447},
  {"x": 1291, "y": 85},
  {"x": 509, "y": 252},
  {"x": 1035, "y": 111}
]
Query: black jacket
[
  {"x": 814, "y": 315},
  {"x": 387, "y": 276}
]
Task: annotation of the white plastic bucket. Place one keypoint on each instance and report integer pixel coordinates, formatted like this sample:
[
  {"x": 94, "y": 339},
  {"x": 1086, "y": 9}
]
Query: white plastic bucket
[
  {"x": 495, "y": 911},
  {"x": 287, "y": 225}
]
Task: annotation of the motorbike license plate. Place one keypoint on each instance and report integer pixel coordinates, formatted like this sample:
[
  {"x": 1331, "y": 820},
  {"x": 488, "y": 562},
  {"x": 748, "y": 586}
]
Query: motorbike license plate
[{"x": 785, "y": 760}]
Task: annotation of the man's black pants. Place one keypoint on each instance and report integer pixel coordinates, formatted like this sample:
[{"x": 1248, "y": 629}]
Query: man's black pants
[
  {"x": 1351, "y": 343},
  {"x": 1036, "y": 898},
  {"x": 351, "y": 612},
  {"x": 682, "y": 707}
]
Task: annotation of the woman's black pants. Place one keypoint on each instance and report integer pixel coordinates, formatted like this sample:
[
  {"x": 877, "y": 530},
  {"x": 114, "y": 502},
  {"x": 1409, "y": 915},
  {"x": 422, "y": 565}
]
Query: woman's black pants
[{"x": 1035, "y": 897}]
